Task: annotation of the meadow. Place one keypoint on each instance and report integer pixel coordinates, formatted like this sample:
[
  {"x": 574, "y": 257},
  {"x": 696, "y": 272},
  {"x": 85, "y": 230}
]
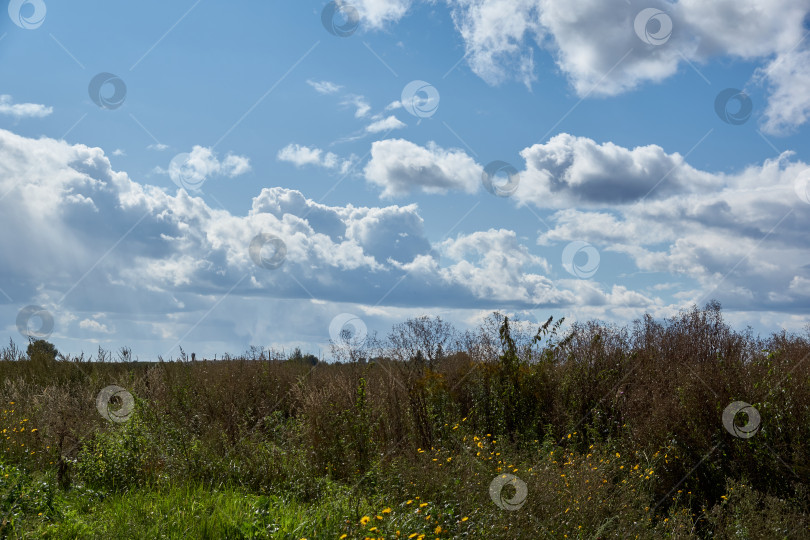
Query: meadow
[{"x": 509, "y": 431}]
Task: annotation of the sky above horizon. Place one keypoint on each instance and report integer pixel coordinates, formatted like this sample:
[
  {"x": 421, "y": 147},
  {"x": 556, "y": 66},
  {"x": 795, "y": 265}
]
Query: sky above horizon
[{"x": 267, "y": 173}]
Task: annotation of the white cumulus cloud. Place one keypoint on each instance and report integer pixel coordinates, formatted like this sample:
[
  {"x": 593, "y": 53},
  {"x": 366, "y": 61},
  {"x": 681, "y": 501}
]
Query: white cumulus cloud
[
  {"x": 604, "y": 51},
  {"x": 202, "y": 163},
  {"x": 400, "y": 167},
  {"x": 22, "y": 110}
]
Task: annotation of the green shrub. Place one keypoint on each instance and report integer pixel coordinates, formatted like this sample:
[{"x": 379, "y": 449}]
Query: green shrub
[
  {"x": 118, "y": 457},
  {"x": 22, "y": 496}
]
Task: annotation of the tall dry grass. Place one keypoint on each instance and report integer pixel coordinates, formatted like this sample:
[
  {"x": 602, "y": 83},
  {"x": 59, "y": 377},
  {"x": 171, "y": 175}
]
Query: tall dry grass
[{"x": 652, "y": 393}]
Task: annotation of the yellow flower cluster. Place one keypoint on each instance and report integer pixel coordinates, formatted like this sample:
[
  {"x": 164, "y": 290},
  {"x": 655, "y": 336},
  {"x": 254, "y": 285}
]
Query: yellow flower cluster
[
  {"x": 420, "y": 508},
  {"x": 16, "y": 432}
]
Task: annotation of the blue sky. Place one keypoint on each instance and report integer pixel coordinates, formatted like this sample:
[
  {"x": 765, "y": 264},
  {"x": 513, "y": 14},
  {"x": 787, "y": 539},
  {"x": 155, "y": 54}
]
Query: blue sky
[{"x": 128, "y": 218}]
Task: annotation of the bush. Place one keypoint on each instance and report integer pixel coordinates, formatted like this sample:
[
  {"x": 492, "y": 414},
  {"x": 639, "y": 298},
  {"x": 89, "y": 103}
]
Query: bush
[{"x": 117, "y": 458}]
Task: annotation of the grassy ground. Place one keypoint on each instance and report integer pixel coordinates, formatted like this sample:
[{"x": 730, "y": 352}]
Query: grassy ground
[{"x": 599, "y": 432}]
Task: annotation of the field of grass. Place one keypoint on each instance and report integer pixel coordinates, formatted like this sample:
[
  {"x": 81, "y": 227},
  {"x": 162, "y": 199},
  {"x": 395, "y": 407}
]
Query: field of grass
[{"x": 587, "y": 431}]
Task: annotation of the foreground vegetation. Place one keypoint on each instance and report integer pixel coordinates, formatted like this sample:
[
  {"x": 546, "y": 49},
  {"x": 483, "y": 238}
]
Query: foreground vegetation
[{"x": 614, "y": 432}]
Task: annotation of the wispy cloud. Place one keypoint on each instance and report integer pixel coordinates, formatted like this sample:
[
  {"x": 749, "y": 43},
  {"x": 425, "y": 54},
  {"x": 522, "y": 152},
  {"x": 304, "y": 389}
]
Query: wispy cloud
[
  {"x": 362, "y": 107},
  {"x": 385, "y": 124},
  {"x": 324, "y": 87},
  {"x": 300, "y": 155}
]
